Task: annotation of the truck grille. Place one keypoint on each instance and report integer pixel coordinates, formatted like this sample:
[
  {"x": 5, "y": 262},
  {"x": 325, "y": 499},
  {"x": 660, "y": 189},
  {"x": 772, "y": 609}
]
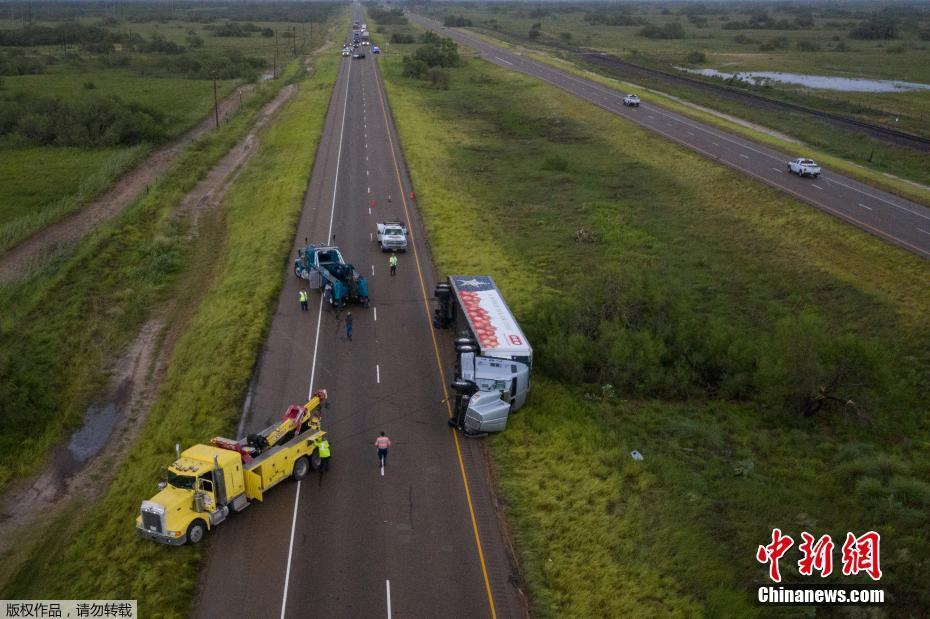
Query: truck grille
[{"x": 151, "y": 522}]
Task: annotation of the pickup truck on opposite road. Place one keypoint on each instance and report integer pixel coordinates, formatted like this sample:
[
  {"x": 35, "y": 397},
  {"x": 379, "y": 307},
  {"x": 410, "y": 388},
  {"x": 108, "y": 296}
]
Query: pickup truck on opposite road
[
  {"x": 392, "y": 236},
  {"x": 804, "y": 167},
  {"x": 631, "y": 101}
]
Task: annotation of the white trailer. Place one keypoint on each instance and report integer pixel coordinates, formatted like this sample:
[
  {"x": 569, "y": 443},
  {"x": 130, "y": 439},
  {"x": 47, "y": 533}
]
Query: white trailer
[{"x": 493, "y": 356}]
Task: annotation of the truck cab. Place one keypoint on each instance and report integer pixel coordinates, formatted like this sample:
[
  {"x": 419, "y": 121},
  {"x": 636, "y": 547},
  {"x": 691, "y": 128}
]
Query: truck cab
[
  {"x": 199, "y": 489},
  {"x": 311, "y": 260}
]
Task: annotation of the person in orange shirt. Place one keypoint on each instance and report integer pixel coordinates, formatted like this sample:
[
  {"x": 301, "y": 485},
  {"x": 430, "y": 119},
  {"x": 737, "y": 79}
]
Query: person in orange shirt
[{"x": 382, "y": 443}]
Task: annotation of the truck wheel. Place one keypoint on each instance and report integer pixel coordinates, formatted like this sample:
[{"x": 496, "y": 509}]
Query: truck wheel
[
  {"x": 301, "y": 468},
  {"x": 196, "y": 531},
  {"x": 315, "y": 460}
]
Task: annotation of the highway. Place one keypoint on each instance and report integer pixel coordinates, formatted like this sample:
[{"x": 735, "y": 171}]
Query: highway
[
  {"x": 881, "y": 213},
  {"x": 424, "y": 538}
]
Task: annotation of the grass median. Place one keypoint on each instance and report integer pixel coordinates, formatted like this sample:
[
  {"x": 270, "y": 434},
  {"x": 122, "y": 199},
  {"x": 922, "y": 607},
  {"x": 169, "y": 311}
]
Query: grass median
[
  {"x": 102, "y": 557},
  {"x": 680, "y": 311},
  {"x": 900, "y": 170}
]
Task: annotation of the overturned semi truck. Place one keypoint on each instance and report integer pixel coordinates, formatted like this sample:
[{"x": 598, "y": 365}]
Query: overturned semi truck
[{"x": 493, "y": 356}]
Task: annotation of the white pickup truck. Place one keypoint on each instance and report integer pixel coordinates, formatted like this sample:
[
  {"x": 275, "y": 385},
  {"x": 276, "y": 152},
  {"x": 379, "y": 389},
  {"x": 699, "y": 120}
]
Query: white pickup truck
[
  {"x": 392, "y": 236},
  {"x": 631, "y": 101},
  {"x": 804, "y": 167}
]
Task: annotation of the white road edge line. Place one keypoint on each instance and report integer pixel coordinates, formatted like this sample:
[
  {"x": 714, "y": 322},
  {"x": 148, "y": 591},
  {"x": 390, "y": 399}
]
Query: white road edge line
[
  {"x": 316, "y": 342},
  {"x": 817, "y": 186},
  {"x": 924, "y": 231},
  {"x": 744, "y": 156},
  {"x": 511, "y": 64},
  {"x": 779, "y": 170},
  {"x": 387, "y": 583},
  {"x": 869, "y": 208}
]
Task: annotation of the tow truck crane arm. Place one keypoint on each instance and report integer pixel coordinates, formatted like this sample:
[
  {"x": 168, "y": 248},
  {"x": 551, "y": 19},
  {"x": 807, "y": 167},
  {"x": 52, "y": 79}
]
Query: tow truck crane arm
[{"x": 296, "y": 419}]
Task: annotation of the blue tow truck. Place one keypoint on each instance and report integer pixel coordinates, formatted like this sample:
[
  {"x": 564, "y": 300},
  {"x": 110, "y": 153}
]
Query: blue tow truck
[{"x": 323, "y": 264}]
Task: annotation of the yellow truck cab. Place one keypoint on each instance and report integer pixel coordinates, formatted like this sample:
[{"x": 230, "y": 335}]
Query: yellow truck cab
[{"x": 207, "y": 482}]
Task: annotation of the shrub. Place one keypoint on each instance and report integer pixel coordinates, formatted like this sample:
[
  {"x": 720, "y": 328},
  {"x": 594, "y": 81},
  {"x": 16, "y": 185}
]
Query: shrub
[
  {"x": 89, "y": 85},
  {"x": 414, "y": 67},
  {"x": 807, "y": 369},
  {"x": 612, "y": 17},
  {"x": 555, "y": 163},
  {"x": 672, "y": 30},
  {"x": 438, "y": 78},
  {"x": 402, "y": 38},
  {"x": 456, "y": 21},
  {"x": 696, "y": 57},
  {"x": 95, "y": 122},
  {"x": 808, "y": 46},
  {"x": 742, "y": 39},
  {"x": 387, "y": 17},
  {"x": 565, "y": 36},
  {"x": 877, "y": 27},
  {"x": 698, "y": 21}
]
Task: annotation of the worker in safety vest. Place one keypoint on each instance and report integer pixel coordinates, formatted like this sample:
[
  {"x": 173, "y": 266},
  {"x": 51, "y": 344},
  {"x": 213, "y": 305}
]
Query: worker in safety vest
[
  {"x": 302, "y": 296},
  {"x": 325, "y": 454},
  {"x": 382, "y": 443},
  {"x": 393, "y": 262}
]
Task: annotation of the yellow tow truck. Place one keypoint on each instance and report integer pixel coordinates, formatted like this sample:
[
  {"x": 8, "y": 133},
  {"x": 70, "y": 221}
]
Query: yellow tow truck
[{"x": 208, "y": 482}]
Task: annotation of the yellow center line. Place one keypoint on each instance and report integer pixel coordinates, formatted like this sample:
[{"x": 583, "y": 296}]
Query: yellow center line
[{"x": 442, "y": 374}]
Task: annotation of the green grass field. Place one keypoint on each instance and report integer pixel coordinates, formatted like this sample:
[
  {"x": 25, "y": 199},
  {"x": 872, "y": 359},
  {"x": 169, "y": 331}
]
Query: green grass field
[
  {"x": 685, "y": 287},
  {"x": 71, "y": 177},
  {"x": 183, "y": 101},
  {"x": 209, "y": 369}
]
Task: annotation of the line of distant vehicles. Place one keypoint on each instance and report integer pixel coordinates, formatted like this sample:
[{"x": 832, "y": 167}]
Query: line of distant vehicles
[{"x": 360, "y": 38}]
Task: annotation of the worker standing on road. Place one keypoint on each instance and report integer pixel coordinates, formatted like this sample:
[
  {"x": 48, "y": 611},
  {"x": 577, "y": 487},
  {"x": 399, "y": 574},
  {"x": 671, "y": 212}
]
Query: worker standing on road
[
  {"x": 382, "y": 443},
  {"x": 325, "y": 454},
  {"x": 302, "y": 295},
  {"x": 392, "y": 261},
  {"x": 349, "y": 326},
  {"x": 328, "y": 295}
]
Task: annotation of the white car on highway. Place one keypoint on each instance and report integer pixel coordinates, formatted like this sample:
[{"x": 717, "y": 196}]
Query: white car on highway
[
  {"x": 631, "y": 100},
  {"x": 804, "y": 167}
]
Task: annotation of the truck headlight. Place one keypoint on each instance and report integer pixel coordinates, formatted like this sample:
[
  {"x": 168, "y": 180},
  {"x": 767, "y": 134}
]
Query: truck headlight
[{"x": 174, "y": 533}]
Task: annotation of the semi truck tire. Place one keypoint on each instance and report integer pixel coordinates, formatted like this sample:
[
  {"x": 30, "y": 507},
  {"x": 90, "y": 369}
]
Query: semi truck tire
[
  {"x": 196, "y": 532},
  {"x": 301, "y": 468}
]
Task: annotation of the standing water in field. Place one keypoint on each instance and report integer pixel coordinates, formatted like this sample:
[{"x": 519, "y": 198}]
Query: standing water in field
[{"x": 821, "y": 82}]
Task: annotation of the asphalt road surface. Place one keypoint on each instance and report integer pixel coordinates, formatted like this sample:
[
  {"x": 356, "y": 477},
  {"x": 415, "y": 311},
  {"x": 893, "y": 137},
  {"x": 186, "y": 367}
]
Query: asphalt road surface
[
  {"x": 883, "y": 214},
  {"x": 410, "y": 543}
]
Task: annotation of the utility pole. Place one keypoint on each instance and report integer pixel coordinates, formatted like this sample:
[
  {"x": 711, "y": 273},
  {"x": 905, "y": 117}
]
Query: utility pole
[
  {"x": 216, "y": 104},
  {"x": 274, "y": 70},
  {"x": 294, "y": 39}
]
